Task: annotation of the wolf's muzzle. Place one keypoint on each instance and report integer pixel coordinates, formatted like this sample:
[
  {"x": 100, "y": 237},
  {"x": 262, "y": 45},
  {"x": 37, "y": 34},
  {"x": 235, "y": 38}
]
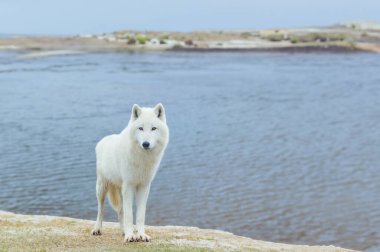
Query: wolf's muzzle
[{"x": 145, "y": 145}]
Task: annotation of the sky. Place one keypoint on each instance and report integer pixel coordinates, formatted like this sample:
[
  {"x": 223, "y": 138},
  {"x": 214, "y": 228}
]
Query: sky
[{"x": 44, "y": 17}]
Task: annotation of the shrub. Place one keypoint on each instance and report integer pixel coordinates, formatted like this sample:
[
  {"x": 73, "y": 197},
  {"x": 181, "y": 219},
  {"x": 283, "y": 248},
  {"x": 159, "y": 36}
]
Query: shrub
[
  {"x": 131, "y": 41},
  {"x": 164, "y": 37},
  {"x": 318, "y": 37},
  {"x": 189, "y": 42},
  {"x": 294, "y": 40},
  {"x": 177, "y": 46},
  {"x": 245, "y": 34},
  {"x": 142, "y": 40},
  {"x": 336, "y": 37},
  {"x": 275, "y": 37},
  {"x": 311, "y": 37}
]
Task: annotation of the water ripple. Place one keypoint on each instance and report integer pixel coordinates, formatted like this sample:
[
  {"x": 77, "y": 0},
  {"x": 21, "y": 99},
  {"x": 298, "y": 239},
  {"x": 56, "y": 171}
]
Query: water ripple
[{"x": 273, "y": 146}]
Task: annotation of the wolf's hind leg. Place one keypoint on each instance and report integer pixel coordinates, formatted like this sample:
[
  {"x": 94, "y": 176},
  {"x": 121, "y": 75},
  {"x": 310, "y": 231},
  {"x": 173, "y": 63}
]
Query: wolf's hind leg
[
  {"x": 120, "y": 216},
  {"x": 101, "y": 191},
  {"x": 116, "y": 201}
]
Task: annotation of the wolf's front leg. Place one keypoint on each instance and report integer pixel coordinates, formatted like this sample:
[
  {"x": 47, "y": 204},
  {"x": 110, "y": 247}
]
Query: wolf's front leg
[
  {"x": 141, "y": 199},
  {"x": 127, "y": 192},
  {"x": 101, "y": 191}
]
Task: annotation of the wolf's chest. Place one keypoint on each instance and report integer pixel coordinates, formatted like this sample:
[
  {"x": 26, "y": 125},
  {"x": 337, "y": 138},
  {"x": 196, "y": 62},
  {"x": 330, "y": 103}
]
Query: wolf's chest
[{"x": 141, "y": 170}]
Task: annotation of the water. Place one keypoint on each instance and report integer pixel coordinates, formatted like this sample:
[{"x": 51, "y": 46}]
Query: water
[{"x": 279, "y": 147}]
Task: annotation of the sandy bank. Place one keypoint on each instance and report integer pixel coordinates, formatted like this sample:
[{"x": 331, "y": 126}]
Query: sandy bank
[{"x": 49, "y": 233}]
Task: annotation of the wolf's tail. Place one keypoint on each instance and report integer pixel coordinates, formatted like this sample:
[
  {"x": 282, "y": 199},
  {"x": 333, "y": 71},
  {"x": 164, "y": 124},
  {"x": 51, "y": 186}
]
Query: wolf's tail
[{"x": 114, "y": 196}]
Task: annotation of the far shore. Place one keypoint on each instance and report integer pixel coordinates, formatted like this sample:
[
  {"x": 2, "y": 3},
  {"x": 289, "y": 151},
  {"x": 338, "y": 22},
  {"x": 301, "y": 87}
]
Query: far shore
[{"x": 342, "y": 38}]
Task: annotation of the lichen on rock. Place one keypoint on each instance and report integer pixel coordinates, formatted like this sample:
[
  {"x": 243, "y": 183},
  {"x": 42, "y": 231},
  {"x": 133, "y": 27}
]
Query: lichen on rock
[{"x": 49, "y": 233}]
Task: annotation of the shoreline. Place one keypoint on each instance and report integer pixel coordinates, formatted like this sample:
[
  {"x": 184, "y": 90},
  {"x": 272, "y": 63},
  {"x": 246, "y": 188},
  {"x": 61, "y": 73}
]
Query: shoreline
[
  {"x": 289, "y": 49},
  {"x": 50, "y": 233},
  {"x": 335, "y": 39}
]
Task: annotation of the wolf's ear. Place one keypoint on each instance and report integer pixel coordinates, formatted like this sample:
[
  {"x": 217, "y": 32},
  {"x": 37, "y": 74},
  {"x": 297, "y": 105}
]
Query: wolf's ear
[
  {"x": 160, "y": 112},
  {"x": 136, "y": 111}
]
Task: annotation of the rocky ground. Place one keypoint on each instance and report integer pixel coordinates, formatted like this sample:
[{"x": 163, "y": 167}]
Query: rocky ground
[
  {"x": 48, "y": 233},
  {"x": 354, "y": 36}
]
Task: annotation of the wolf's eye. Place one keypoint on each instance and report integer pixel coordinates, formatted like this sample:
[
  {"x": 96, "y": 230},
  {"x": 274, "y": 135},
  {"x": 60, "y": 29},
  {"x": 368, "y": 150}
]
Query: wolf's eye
[
  {"x": 154, "y": 128},
  {"x": 141, "y": 128}
]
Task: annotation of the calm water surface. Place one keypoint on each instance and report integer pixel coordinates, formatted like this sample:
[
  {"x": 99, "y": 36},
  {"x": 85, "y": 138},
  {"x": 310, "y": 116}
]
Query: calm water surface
[{"x": 280, "y": 147}]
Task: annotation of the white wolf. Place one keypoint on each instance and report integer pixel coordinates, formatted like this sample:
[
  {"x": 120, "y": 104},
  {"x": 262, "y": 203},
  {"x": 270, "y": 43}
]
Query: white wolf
[{"x": 126, "y": 164}]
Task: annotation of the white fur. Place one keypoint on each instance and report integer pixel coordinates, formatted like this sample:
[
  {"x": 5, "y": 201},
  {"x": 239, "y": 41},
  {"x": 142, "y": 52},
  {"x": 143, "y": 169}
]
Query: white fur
[{"x": 126, "y": 169}]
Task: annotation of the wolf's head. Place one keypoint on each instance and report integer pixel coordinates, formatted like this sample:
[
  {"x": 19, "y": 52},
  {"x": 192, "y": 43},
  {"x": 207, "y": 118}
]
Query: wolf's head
[{"x": 148, "y": 127}]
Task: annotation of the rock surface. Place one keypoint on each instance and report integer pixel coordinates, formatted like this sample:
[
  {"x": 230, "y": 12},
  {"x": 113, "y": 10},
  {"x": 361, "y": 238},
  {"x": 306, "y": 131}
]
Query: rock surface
[{"x": 49, "y": 233}]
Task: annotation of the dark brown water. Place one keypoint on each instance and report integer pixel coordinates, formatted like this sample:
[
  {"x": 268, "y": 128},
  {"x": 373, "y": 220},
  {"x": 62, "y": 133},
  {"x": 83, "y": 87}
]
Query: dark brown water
[{"x": 280, "y": 147}]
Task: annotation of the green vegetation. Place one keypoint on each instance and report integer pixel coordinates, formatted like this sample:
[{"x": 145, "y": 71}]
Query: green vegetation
[
  {"x": 294, "y": 40},
  {"x": 307, "y": 38},
  {"x": 337, "y": 37},
  {"x": 164, "y": 37},
  {"x": 321, "y": 37},
  {"x": 246, "y": 35},
  {"x": 177, "y": 46},
  {"x": 276, "y": 37},
  {"x": 142, "y": 40}
]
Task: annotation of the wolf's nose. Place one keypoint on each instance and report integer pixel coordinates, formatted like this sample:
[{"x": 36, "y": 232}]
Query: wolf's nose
[{"x": 146, "y": 145}]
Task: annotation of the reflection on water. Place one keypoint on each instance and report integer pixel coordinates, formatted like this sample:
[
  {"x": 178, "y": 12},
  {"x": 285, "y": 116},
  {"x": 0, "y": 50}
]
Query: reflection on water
[{"x": 278, "y": 147}]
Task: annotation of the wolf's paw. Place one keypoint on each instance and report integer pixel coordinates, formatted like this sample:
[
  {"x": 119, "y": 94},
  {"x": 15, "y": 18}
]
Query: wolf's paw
[
  {"x": 96, "y": 231},
  {"x": 142, "y": 237},
  {"x": 130, "y": 238}
]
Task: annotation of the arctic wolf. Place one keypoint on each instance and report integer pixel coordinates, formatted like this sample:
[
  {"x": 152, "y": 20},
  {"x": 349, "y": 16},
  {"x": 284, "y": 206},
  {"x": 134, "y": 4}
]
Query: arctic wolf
[{"x": 126, "y": 164}]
